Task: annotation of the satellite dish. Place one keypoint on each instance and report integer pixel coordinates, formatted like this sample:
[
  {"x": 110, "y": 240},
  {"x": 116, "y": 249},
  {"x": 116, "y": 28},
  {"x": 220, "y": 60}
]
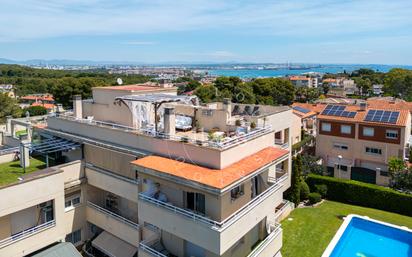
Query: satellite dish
[{"x": 119, "y": 81}]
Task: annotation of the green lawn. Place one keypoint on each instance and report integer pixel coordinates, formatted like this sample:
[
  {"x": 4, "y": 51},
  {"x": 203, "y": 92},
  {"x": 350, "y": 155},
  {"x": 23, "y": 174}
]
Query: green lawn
[
  {"x": 21, "y": 132},
  {"x": 9, "y": 172},
  {"x": 311, "y": 229}
]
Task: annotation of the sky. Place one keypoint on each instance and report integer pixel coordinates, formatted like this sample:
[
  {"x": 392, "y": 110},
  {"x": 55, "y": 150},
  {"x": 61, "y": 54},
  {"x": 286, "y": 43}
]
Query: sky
[{"x": 160, "y": 31}]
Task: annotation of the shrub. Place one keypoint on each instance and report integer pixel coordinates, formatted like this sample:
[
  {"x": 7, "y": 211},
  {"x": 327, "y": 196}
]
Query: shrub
[
  {"x": 314, "y": 198},
  {"x": 363, "y": 194},
  {"x": 304, "y": 190},
  {"x": 322, "y": 190},
  {"x": 34, "y": 111}
]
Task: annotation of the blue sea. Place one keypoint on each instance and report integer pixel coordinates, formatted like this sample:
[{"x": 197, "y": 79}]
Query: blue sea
[{"x": 261, "y": 73}]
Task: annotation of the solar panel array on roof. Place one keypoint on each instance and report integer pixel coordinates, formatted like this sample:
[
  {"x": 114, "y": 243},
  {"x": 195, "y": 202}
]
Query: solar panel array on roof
[
  {"x": 337, "y": 110},
  {"x": 300, "y": 109},
  {"x": 382, "y": 116}
]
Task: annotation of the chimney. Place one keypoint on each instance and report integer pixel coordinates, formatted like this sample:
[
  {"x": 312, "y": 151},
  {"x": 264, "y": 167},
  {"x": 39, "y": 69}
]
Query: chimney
[
  {"x": 169, "y": 121},
  {"x": 227, "y": 106},
  {"x": 77, "y": 106},
  {"x": 363, "y": 106}
]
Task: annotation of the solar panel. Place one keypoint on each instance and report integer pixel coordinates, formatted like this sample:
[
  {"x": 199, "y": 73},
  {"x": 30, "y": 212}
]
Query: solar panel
[
  {"x": 300, "y": 109},
  {"x": 382, "y": 116},
  {"x": 337, "y": 110}
]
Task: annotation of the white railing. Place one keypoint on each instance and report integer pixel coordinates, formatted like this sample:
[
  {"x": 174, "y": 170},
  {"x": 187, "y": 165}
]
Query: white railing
[
  {"x": 226, "y": 222},
  {"x": 96, "y": 122},
  {"x": 281, "y": 144},
  {"x": 113, "y": 215},
  {"x": 274, "y": 229},
  {"x": 285, "y": 205},
  {"x": 9, "y": 150},
  {"x": 144, "y": 246},
  {"x": 220, "y": 144},
  {"x": 280, "y": 177},
  {"x": 27, "y": 233}
]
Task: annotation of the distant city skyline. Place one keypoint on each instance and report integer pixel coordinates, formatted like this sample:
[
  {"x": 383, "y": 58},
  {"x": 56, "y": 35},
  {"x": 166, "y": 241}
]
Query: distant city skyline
[{"x": 318, "y": 31}]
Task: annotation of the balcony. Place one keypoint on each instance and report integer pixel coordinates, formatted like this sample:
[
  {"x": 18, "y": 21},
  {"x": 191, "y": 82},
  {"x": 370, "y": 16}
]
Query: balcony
[
  {"x": 116, "y": 184},
  {"x": 27, "y": 233},
  {"x": 281, "y": 144},
  {"x": 191, "y": 138},
  {"x": 117, "y": 225},
  {"x": 216, "y": 236},
  {"x": 271, "y": 244}
]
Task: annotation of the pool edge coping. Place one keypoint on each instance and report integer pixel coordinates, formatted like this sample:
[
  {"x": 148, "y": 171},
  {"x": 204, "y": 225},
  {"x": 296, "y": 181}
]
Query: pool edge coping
[{"x": 331, "y": 246}]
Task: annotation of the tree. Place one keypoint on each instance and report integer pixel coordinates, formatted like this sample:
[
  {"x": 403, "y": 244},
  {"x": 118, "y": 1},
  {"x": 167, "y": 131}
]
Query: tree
[
  {"x": 310, "y": 165},
  {"x": 294, "y": 190},
  {"x": 398, "y": 83},
  {"x": 401, "y": 177},
  {"x": 364, "y": 85},
  {"x": 325, "y": 88},
  {"x": 304, "y": 94},
  {"x": 35, "y": 110},
  {"x": 8, "y": 107},
  {"x": 206, "y": 93}
]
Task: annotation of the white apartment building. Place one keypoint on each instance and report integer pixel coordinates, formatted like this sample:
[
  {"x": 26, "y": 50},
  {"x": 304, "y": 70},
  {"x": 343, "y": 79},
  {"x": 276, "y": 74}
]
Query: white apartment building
[{"x": 150, "y": 173}]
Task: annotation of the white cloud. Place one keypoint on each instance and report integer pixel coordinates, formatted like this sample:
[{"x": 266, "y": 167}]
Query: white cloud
[{"x": 32, "y": 19}]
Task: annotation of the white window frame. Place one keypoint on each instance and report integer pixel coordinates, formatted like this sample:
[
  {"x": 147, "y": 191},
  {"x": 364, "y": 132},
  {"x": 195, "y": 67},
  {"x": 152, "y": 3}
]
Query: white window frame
[
  {"x": 347, "y": 132},
  {"x": 326, "y": 125},
  {"x": 370, "y": 129},
  {"x": 70, "y": 199},
  {"x": 391, "y": 132},
  {"x": 341, "y": 146},
  {"x": 371, "y": 152},
  {"x": 72, "y": 237}
]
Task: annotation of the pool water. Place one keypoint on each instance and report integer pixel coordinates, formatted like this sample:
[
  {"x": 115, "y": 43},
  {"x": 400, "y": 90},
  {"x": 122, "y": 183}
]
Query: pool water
[{"x": 365, "y": 238}]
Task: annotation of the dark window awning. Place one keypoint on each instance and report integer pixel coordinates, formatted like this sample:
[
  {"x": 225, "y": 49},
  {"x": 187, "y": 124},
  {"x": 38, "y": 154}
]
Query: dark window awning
[{"x": 52, "y": 145}]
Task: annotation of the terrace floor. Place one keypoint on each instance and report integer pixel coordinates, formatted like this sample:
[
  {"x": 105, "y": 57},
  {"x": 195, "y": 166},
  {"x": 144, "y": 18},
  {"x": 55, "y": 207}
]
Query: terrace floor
[
  {"x": 311, "y": 229},
  {"x": 10, "y": 171}
]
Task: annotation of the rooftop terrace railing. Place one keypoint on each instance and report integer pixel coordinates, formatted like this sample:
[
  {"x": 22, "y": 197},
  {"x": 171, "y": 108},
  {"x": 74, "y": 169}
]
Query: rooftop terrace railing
[
  {"x": 218, "y": 225},
  {"x": 274, "y": 230},
  {"x": 9, "y": 150},
  {"x": 224, "y": 143},
  {"x": 113, "y": 215},
  {"x": 27, "y": 233}
]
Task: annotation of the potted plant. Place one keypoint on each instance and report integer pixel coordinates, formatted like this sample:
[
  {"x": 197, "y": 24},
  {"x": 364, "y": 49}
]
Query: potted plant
[
  {"x": 238, "y": 123},
  {"x": 253, "y": 125}
]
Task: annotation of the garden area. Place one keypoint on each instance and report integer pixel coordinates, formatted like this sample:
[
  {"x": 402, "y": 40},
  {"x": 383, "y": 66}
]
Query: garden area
[
  {"x": 9, "y": 172},
  {"x": 307, "y": 231}
]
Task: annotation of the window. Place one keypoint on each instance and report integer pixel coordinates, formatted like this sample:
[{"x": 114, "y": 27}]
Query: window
[
  {"x": 392, "y": 134},
  {"x": 369, "y": 132},
  {"x": 196, "y": 202},
  {"x": 207, "y": 112},
  {"x": 326, "y": 127},
  {"x": 371, "y": 150},
  {"x": 237, "y": 192},
  {"x": 343, "y": 167},
  {"x": 74, "y": 237},
  {"x": 345, "y": 129},
  {"x": 384, "y": 173},
  {"x": 340, "y": 146},
  {"x": 71, "y": 201}
]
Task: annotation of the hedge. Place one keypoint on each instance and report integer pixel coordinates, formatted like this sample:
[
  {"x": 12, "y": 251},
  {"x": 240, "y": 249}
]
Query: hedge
[{"x": 363, "y": 194}]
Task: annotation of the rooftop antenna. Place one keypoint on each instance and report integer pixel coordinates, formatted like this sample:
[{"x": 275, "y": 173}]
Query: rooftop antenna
[{"x": 119, "y": 81}]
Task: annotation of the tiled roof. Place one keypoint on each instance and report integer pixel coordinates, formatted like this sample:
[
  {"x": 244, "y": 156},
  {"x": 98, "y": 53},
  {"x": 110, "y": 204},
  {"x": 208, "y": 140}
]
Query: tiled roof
[
  {"x": 360, "y": 116},
  {"x": 212, "y": 177},
  {"x": 45, "y": 105},
  {"x": 299, "y": 78},
  {"x": 317, "y": 108},
  {"x": 37, "y": 97},
  {"x": 385, "y": 104}
]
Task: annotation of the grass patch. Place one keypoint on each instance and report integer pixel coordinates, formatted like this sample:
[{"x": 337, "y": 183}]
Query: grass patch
[
  {"x": 311, "y": 229},
  {"x": 21, "y": 133},
  {"x": 9, "y": 172}
]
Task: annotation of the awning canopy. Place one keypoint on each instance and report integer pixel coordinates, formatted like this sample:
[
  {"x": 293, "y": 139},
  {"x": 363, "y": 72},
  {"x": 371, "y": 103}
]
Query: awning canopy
[
  {"x": 113, "y": 246},
  {"x": 52, "y": 145},
  {"x": 157, "y": 98}
]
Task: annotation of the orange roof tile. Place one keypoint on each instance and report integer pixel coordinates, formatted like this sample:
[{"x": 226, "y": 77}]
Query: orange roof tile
[
  {"x": 312, "y": 107},
  {"x": 212, "y": 177},
  {"x": 45, "y": 105},
  {"x": 299, "y": 78},
  {"x": 360, "y": 116}
]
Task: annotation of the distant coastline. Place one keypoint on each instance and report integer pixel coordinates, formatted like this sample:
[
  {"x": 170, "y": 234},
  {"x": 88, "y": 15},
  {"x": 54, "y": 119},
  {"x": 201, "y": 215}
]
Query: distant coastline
[{"x": 262, "y": 73}]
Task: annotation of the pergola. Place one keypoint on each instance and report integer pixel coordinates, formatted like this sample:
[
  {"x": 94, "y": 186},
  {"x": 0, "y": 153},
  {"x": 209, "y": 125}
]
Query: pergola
[{"x": 156, "y": 99}]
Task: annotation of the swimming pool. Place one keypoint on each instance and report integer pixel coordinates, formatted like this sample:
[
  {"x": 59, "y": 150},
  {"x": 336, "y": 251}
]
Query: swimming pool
[{"x": 364, "y": 237}]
